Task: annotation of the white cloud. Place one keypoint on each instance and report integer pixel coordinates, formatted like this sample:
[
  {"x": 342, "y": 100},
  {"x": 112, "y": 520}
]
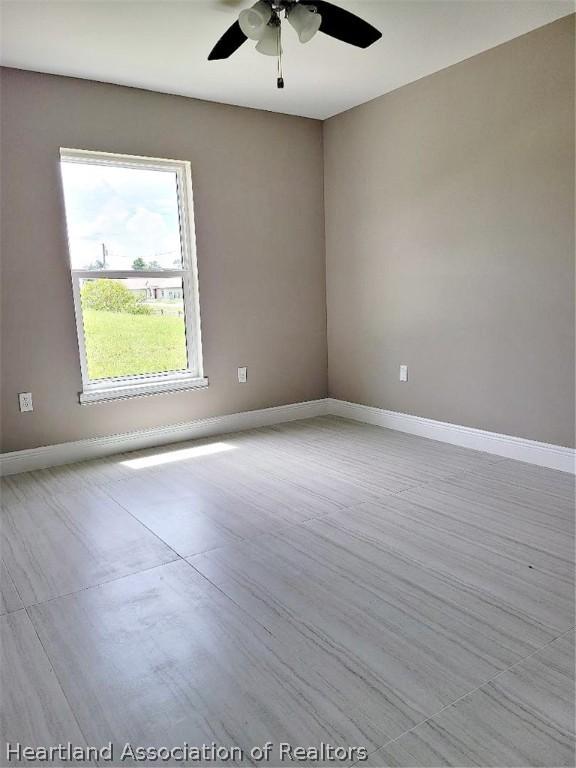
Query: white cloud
[{"x": 132, "y": 211}]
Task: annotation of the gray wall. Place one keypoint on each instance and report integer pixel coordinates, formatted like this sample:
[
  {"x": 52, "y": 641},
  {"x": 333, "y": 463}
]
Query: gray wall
[
  {"x": 258, "y": 197},
  {"x": 449, "y": 228},
  {"x": 450, "y": 242}
]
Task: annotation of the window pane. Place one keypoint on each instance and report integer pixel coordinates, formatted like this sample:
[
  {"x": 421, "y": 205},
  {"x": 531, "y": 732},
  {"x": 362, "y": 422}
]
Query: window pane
[
  {"x": 133, "y": 326},
  {"x": 121, "y": 218}
]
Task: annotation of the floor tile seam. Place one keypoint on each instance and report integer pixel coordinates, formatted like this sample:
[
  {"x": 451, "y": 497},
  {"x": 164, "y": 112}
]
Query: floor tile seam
[
  {"x": 520, "y": 660},
  {"x": 99, "y": 584},
  {"x": 381, "y": 497},
  {"x": 354, "y": 505},
  {"x": 472, "y": 691},
  {"x": 417, "y": 485},
  {"x": 438, "y": 573},
  {"x": 230, "y": 599},
  {"x": 56, "y": 676},
  {"x": 466, "y": 538},
  {"x": 177, "y": 556},
  {"x": 146, "y": 527},
  {"x": 22, "y": 603}
]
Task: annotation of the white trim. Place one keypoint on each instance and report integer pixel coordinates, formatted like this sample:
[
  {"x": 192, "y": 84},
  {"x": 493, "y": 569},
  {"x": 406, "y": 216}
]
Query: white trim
[
  {"x": 519, "y": 448},
  {"x": 121, "y": 274},
  {"x": 80, "y": 331},
  {"x": 113, "y": 388},
  {"x": 148, "y": 386},
  {"x": 97, "y": 447},
  {"x": 531, "y": 451},
  {"x": 94, "y": 157}
]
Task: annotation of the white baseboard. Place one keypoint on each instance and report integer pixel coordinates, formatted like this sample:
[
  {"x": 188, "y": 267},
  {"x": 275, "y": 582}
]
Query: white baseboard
[
  {"x": 519, "y": 448},
  {"x": 97, "y": 447},
  {"x": 543, "y": 454}
]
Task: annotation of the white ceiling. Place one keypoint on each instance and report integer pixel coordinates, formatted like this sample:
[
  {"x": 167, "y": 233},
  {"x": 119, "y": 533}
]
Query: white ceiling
[{"x": 162, "y": 45}]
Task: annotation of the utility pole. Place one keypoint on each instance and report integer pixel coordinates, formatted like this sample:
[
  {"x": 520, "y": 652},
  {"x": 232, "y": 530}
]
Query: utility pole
[{"x": 104, "y": 254}]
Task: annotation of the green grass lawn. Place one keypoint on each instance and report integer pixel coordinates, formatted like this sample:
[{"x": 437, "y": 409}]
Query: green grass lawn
[{"x": 120, "y": 344}]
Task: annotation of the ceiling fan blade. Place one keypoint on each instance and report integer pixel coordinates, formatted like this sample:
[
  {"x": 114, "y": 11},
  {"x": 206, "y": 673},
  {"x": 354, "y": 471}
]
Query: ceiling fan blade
[
  {"x": 230, "y": 41},
  {"x": 344, "y": 25}
]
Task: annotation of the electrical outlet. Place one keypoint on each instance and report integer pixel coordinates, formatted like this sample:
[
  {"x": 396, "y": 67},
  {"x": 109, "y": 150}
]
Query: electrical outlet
[
  {"x": 25, "y": 401},
  {"x": 403, "y": 373},
  {"x": 243, "y": 375}
]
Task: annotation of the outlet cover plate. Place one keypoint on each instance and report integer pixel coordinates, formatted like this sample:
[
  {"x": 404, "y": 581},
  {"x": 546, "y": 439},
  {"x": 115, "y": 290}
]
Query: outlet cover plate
[{"x": 25, "y": 402}]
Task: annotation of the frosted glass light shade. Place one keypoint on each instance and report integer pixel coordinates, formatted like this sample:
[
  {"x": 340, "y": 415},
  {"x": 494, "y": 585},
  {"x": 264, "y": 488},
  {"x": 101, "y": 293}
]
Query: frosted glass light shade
[
  {"x": 253, "y": 20},
  {"x": 269, "y": 43},
  {"x": 305, "y": 21}
]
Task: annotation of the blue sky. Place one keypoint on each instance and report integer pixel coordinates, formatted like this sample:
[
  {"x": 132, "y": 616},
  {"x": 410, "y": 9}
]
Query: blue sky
[{"x": 133, "y": 211}]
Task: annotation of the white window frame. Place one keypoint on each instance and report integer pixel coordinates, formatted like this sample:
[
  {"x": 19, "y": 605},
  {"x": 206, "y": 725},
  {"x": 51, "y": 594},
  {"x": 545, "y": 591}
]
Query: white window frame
[{"x": 146, "y": 384}]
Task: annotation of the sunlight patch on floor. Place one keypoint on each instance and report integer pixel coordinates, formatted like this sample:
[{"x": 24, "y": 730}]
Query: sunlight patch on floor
[{"x": 167, "y": 457}]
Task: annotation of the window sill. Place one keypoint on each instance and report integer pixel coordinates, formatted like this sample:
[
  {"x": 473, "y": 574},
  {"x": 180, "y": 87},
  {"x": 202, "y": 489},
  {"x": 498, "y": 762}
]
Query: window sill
[{"x": 124, "y": 391}]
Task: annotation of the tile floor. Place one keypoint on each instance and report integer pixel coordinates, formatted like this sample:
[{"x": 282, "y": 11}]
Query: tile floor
[{"x": 319, "y": 581}]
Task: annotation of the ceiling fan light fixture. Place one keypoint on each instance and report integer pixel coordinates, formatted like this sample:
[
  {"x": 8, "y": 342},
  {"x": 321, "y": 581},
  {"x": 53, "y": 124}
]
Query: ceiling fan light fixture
[
  {"x": 253, "y": 20},
  {"x": 305, "y": 20},
  {"x": 269, "y": 43}
]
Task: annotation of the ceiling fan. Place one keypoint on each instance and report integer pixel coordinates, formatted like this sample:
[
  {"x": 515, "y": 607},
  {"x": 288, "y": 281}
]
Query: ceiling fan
[{"x": 262, "y": 22}]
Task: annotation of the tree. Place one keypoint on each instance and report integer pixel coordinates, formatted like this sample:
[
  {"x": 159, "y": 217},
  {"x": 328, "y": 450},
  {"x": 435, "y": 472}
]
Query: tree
[
  {"x": 139, "y": 263},
  {"x": 98, "y": 264},
  {"x": 112, "y": 296}
]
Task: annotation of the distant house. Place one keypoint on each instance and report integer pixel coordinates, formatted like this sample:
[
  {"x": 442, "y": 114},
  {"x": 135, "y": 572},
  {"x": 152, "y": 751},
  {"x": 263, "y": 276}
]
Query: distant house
[{"x": 155, "y": 288}]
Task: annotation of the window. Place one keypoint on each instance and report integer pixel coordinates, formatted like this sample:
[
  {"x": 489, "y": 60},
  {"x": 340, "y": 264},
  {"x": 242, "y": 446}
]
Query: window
[{"x": 133, "y": 263}]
